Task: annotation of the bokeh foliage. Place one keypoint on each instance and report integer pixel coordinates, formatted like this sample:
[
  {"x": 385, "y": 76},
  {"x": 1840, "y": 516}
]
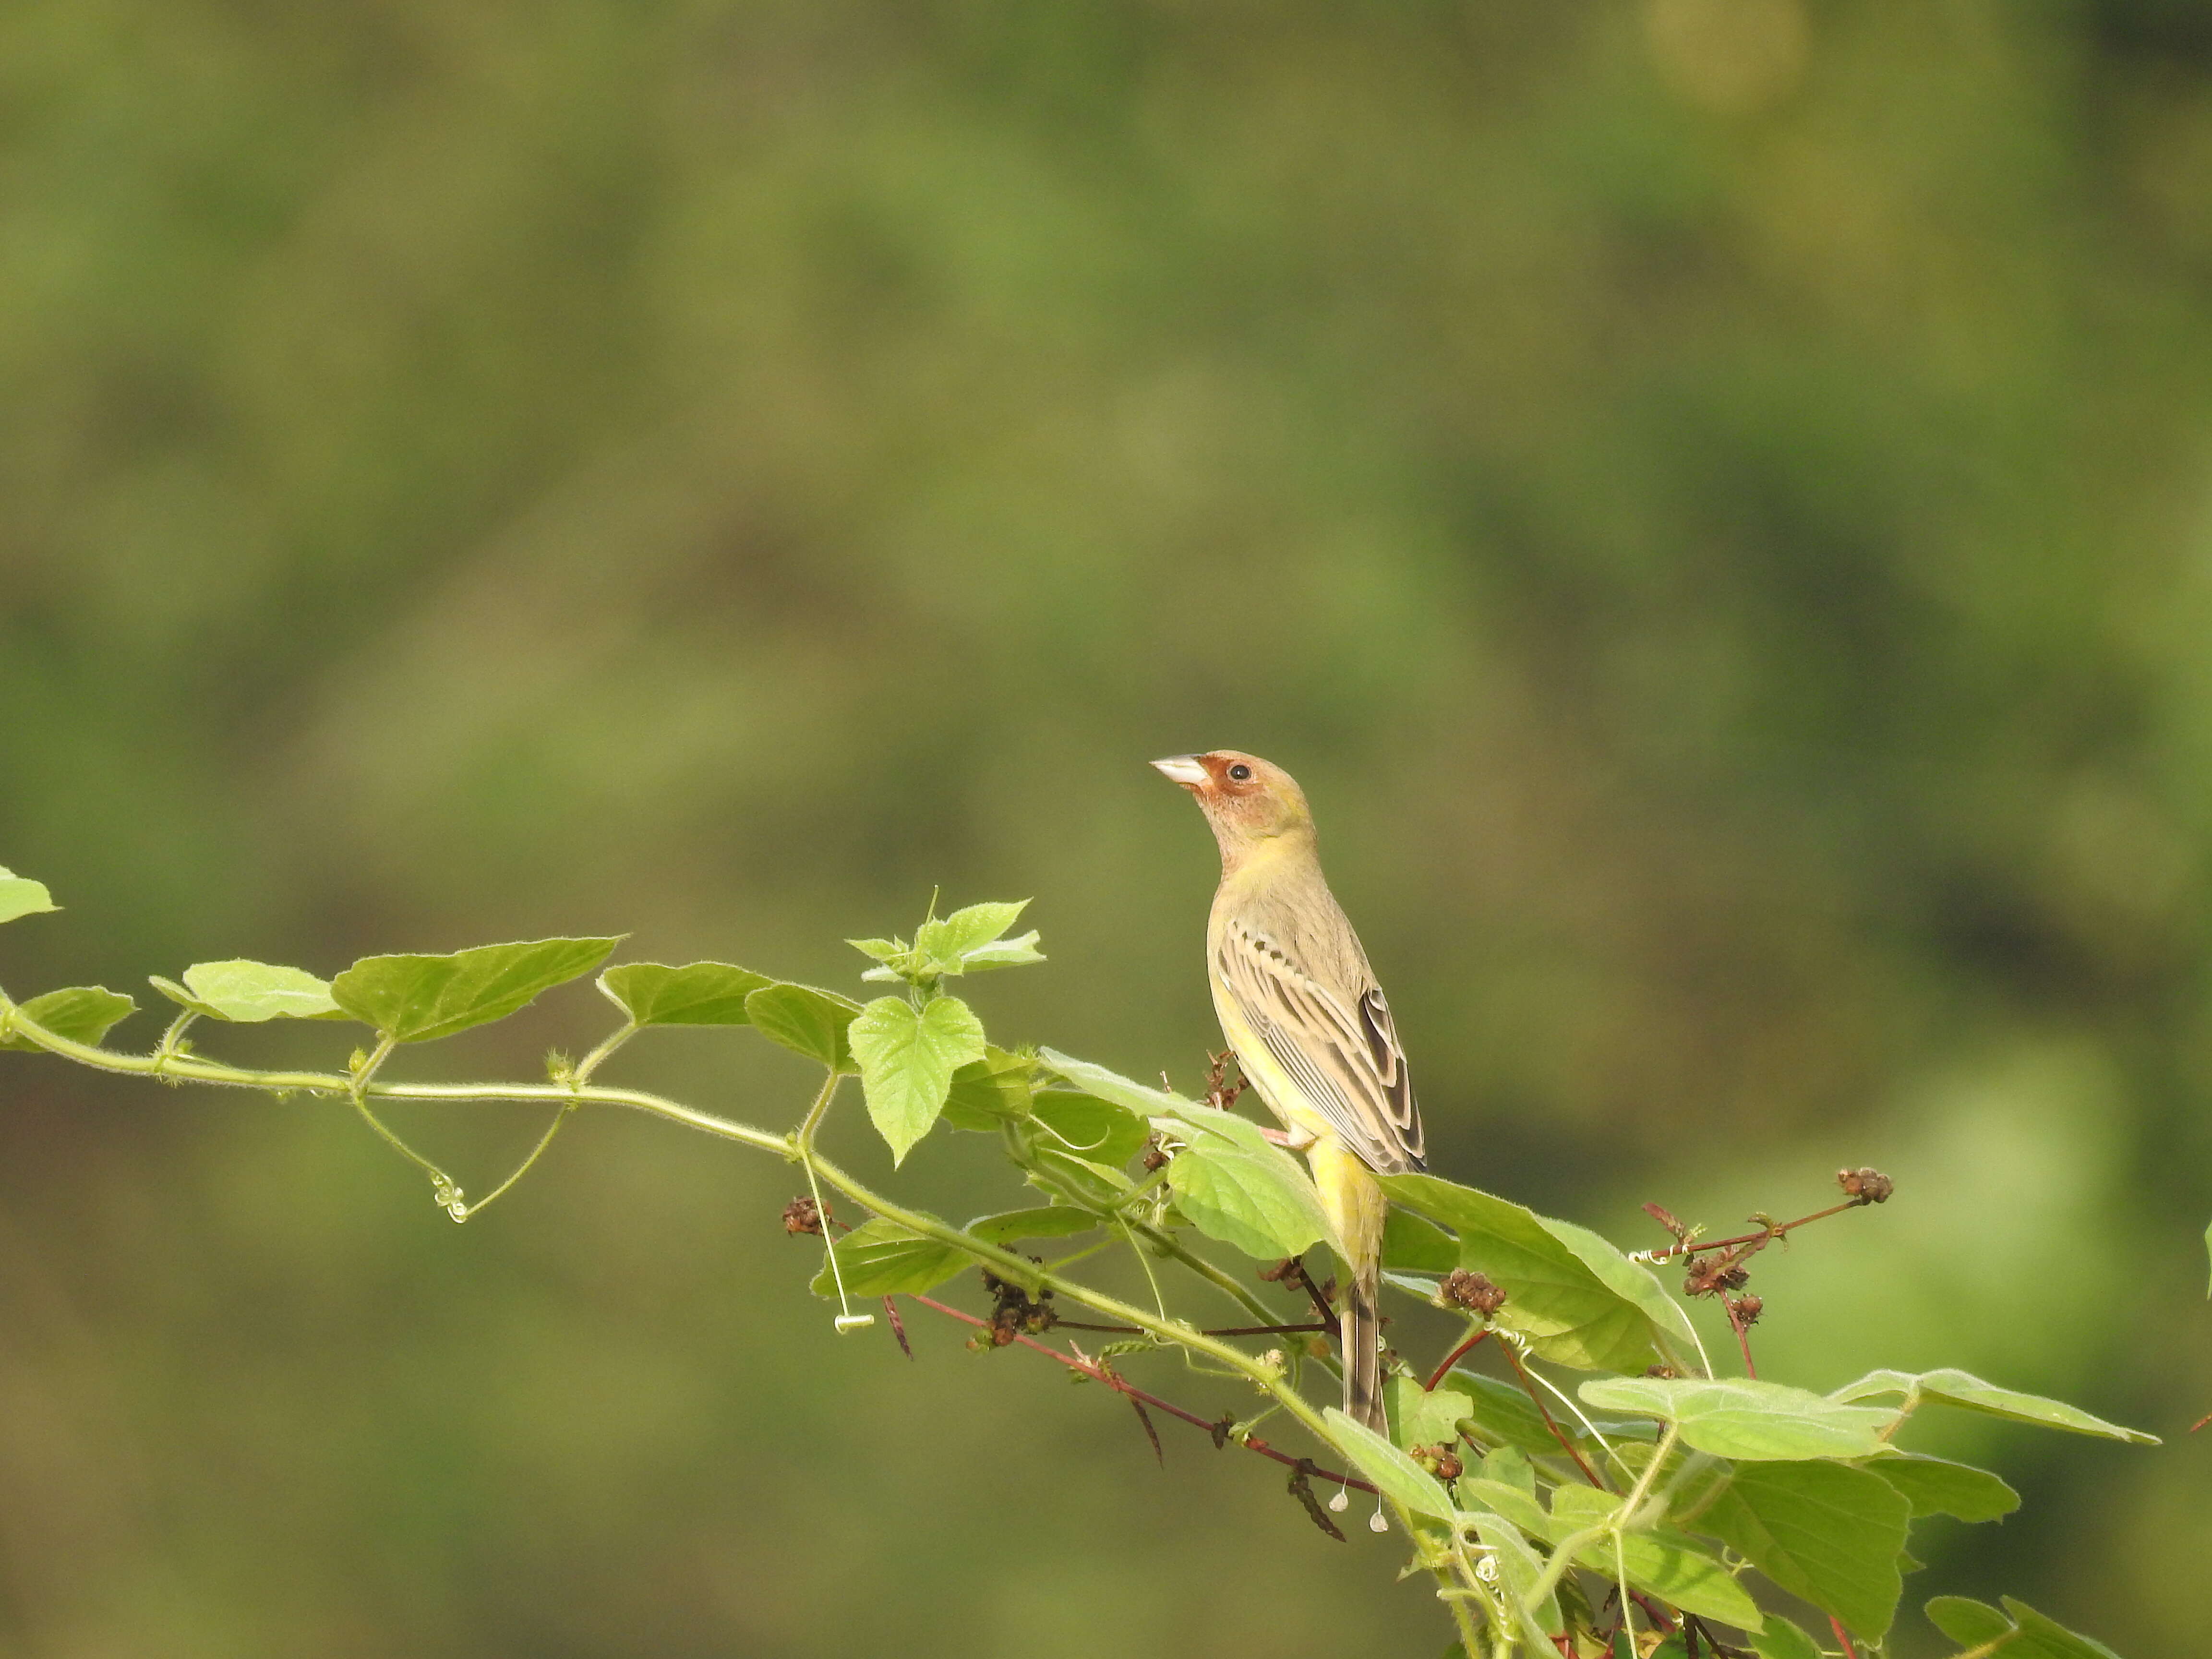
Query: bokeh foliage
[{"x": 1708, "y": 495}]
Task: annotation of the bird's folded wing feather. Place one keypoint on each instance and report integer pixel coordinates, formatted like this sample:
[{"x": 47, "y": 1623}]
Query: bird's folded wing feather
[{"x": 1346, "y": 1063}]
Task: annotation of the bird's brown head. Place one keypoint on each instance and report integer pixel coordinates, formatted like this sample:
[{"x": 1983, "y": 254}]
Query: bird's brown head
[{"x": 1247, "y": 801}]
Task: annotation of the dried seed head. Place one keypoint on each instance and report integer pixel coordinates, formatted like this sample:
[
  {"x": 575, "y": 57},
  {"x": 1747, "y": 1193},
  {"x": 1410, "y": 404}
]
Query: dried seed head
[
  {"x": 1747, "y": 1309},
  {"x": 1472, "y": 1291},
  {"x": 1442, "y": 1461},
  {"x": 1866, "y": 1186},
  {"x": 1711, "y": 1273},
  {"x": 802, "y": 1215}
]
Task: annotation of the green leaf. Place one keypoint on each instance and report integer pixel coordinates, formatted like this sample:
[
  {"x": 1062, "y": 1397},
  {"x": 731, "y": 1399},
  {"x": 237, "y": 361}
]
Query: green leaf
[
  {"x": 1969, "y": 1623},
  {"x": 1247, "y": 1193},
  {"x": 1087, "y": 1126},
  {"x": 882, "y": 1258},
  {"x": 1520, "y": 1570},
  {"x": 1953, "y": 1388},
  {"x": 1935, "y": 1485},
  {"x": 82, "y": 1013},
  {"x": 247, "y": 993},
  {"x": 2025, "y": 1634},
  {"x": 952, "y": 944},
  {"x": 1091, "y": 1183},
  {"x": 908, "y": 1056},
  {"x": 1098, "y": 1081},
  {"x": 1399, "y": 1477},
  {"x": 1740, "y": 1418},
  {"x": 1632, "y": 1280},
  {"x": 698, "y": 993},
  {"x": 1568, "y": 1311},
  {"x": 1511, "y": 1466},
  {"x": 1516, "y": 1503},
  {"x": 806, "y": 1021},
  {"x": 2046, "y": 1639},
  {"x": 1052, "y": 1221},
  {"x": 419, "y": 998},
  {"x": 1421, "y": 1417},
  {"x": 20, "y": 896},
  {"x": 1413, "y": 1245},
  {"x": 990, "y": 1092},
  {"x": 1666, "y": 1563},
  {"x": 1783, "y": 1640},
  {"x": 1826, "y": 1532},
  {"x": 1004, "y": 953}
]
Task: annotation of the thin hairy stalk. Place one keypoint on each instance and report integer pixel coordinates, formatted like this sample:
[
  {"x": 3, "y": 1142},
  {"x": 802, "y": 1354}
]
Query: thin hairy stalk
[
  {"x": 1564, "y": 1554},
  {"x": 448, "y": 1194},
  {"x": 1528, "y": 1382},
  {"x": 581, "y": 1074},
  {"x": 469, "y": 1211}
]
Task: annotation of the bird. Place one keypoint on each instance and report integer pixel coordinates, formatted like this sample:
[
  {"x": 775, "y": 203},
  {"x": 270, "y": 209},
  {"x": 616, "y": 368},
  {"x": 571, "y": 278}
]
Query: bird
[{"x": 1311, "y": 1028}]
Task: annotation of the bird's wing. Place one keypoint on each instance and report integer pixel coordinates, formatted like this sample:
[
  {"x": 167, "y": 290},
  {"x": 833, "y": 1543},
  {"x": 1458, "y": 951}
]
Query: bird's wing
[{"x": 1345, "y": 1062}]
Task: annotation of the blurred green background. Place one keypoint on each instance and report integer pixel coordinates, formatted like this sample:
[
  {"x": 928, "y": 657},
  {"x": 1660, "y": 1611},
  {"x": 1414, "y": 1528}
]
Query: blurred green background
[{"x": 1712, "y": 498}]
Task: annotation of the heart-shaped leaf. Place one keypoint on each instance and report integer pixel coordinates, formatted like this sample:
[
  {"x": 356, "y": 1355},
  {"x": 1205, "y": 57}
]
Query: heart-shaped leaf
[{"x": 906, "y": 1057}]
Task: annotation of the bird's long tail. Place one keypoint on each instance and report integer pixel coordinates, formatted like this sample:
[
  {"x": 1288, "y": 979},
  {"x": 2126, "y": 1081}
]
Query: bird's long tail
[
  {"x": 1362, "y": 1328},
  {"x": 1354, "y": 1203}
]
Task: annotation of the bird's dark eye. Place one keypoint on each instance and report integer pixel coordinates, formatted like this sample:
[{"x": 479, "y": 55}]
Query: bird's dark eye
[{"x": 1240, "y": 773}]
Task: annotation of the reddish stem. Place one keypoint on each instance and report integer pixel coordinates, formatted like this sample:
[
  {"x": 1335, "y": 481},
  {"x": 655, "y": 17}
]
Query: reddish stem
[
  {"x": 1099, "y": 1374},
  {"x": 1233, "y": 1330},
  {"x": 1742, "y": 1337},
  {"x": 1843, "y": 1636},
  {"x": 1775, "y": 1231},
  {"x": 1452, "y": 1359}
]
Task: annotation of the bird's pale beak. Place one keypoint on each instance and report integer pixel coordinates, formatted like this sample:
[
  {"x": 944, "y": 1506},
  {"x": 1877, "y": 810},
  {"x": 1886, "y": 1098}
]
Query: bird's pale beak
[{"x": 1183, "y": 770}]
